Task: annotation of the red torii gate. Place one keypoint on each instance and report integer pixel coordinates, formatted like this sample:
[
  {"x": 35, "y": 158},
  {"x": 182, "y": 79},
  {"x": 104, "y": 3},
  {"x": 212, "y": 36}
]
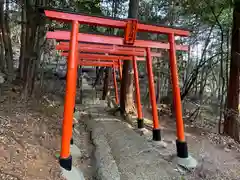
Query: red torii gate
[
  {"x": 131, "y": 27},
  {"x": 102, "y": 49},
  {"x": 108, "y": 51},
  {"x": 104, "y": 64},
  {"x": 112, "y": 40},
  {"x": 119, "y": 64},
  {"x": 94, "y": 60}
]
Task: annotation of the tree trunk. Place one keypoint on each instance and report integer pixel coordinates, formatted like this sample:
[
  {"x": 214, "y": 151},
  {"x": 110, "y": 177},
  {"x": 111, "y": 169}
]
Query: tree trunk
[
  {"x": 2, "y": 56},
  {"x": 108, "y": 70},
  {"x": 171, "y": 22},
  {"x": 158, "y": 96},
  {"x": 106, "y": 83},
  {"x": 97, "y": 70},
  {"x": 34, "y": 40},
  {"x": 231, "y": 124},
  {"x": 7, "y": 40},
  {"x": 80, "y": 80},
  {"x": 23, "y": 41},
  {"x": 126, "y": 91},
  {"x": 99, "y": 76}
]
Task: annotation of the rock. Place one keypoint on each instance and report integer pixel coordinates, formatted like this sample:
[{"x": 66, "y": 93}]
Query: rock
[
  {"x": 142, "y": 131},
  {"x": 227, "y": 149},
  {"x": 160, "y": 144}
]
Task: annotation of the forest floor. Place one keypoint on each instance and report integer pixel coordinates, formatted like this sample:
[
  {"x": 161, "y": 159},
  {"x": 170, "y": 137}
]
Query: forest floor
[
  {"x": 30, "y": 137},
  {"x": 218, "y": 156}
]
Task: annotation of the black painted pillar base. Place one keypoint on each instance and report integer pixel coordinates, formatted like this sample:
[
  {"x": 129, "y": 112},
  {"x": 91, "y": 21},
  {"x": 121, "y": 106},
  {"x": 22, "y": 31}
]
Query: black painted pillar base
[
  {"x": 156, "y": 134},
  {"x": 182, "y": 149},
  {"x": 66, "y": 163},
  {"x": 140, "y": 123}
]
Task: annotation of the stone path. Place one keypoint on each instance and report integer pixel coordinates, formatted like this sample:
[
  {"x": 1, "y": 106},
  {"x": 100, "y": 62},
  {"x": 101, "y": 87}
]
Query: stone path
[{"x": 121, "y": 153}]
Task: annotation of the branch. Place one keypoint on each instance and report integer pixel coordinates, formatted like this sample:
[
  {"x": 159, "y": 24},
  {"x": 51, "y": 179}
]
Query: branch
[
  {"x": 193, "y": 76},
  {"x": 195, "y": 72}
]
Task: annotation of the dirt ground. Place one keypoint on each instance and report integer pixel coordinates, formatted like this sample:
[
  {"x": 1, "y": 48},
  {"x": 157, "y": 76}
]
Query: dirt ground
[
  {"x": 218, "y": 156},
  {"x": 30, "y": 137}
]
